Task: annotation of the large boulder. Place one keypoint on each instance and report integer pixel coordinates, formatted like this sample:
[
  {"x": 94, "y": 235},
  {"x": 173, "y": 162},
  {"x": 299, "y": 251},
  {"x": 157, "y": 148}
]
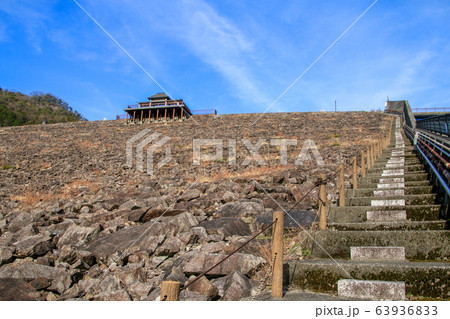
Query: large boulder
[
  {"x": 130, "y": 240},
  {"x": 19, "y": 221},
  {"x": 77, "y": 235},
  {"x": 29, "y": 270},
  {"x": 244, "y": 208},
  {"x": 245, "y": 263},
  {"x": 294, "y": 219},
  {"x": 37, "y": 245},
  {"x": 203, "y": 286},
  {"x": 236, "y": 287},
  {"x": 189, "y": 195},
  {"x": 227, "y": 226},
  {"x": 13, "y": 289},
  {"x": 6, "y": 255},
  {"x": 158, "y": 212}
]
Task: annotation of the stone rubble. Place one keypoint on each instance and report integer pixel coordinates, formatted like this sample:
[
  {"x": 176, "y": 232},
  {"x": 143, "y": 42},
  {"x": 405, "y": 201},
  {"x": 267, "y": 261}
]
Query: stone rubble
[{"x": 76, "y": 223}]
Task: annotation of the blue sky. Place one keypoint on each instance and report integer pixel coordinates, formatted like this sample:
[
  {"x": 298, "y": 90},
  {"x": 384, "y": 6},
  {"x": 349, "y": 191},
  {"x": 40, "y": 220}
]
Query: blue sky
[{"x": 233, "y": 55}]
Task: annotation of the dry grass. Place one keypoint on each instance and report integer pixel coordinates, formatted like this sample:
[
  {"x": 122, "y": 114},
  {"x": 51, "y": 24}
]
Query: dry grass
[
  {"x": 32, "y": 198},
  {"x": 248, "y": 173}
]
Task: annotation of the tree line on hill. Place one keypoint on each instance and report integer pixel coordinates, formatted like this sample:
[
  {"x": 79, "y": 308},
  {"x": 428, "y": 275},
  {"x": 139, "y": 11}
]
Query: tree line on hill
[{"x": 21, "y": 109}]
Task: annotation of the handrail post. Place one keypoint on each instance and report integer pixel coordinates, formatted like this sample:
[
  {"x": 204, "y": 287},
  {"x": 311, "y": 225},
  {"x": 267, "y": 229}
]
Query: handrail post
[
  {"x": 341, "y": 186},
  {"x": 372, "y": 153},
  {"x": 355, "y": 176},
  {"x": 363, "y": 164},
  {"x": 277, "y": 254},
  {"x": 170, "y": 291},
  {"x": 322, "y": 203}
]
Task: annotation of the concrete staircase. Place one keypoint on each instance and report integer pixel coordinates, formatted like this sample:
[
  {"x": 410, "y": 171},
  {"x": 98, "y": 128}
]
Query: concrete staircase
[{"x": 388, "y": 242}]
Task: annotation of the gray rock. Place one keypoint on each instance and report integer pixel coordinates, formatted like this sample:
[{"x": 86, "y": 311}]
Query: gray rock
[
  {"x": 119, "y": 295},
  {"x": 131, "y": 205},
  {"x": 26, "y": 231},
  {"x": 158, "y": 212},
  {"x": 31, "y": 245},
  {"x": 42, "y": 248},
  {"x": 137, "y": 214},
  {"x": 77, "y": 236},
  {"x": 85, "y": 210},
  {"x": 112, "y": 204},
  {"x": 170, "y": 247},
  {"x": 6, "y": 255},
  {"x": 139, "y": 291},
  {"x": 240, "y": 209},
  {"x": 13, "y": 289},
  {"x": 203, "y": 286},
  {"x": 189, "y": 195},
  {"x": 30, "y": 270},
  {"x": 67, "y": 255},
  {"x": 192, "y": 296},
  {"x": 130, "y": 240},
  {"x": 41, "y": 283},
  {"x": 304, "y": 218},
  {"x": 236, "y": 287},
  {"x": 245, "y": 263},
  {"x": 227, "y": 226},
  {"x": 19, "y": 221}
]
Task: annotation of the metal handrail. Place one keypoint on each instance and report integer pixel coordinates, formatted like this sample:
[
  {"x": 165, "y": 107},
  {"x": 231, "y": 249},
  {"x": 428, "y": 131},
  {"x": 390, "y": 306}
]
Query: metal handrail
[
  {"x": 430, "y": 109},
  {"x": 437, "y": 124},
  {"x": 439, "y": 166}
]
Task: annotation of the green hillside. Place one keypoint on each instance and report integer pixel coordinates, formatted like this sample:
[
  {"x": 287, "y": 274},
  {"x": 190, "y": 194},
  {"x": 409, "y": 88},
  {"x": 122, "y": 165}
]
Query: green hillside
[{"x": 21, "y": 109}]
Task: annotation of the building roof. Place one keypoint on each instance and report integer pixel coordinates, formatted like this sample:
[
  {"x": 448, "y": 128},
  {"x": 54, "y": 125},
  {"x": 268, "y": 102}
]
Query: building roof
[{"x": 159, "y": 96}]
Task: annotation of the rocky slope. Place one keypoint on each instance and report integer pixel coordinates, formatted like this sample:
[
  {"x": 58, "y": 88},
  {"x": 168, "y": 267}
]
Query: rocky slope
[{"x": 77, "y": 223}]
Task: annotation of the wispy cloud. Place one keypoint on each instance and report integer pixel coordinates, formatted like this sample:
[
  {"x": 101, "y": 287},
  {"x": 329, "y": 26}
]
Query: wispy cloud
[
  {"x": 221, "y": 44},
  {"x": 32, "y": 15}
]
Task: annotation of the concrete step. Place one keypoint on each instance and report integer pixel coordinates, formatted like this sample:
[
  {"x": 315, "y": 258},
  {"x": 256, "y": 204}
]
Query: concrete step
[
  {"x": 406, "y": 169},
  {"x": 382, "y": 164},
  {"x": 407, "y": 177},
  {"x": 367, "y": 185},
  {"x": 422, "y": 279},
  {"x": 377, "y": 290},
  {"x": 391, "y": 225},
  {"x": 380, "y": 201},
  {"x": 365, "y": 192},
  {"x": 419, "y": 244},
  {"x": 354, "y": 214},
  {"x": 377, "y": 253},
  {"x": 387, "y": 156}
]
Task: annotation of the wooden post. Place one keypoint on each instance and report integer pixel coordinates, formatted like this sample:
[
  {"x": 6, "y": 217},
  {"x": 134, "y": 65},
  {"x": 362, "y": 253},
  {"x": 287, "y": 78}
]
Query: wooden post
[
  {"x": 372, "y": 153},
  {"x": 173, "y": 114},
  {"x": 341, "y": 186},
  {"x": 322, "y": 204},
  {"x": 368, "y": 158},
  {"x": 355, "y": 174},
  {"x": 142, "y": 115},
  {"x": 181, "y": 117},
  {"x": 126, "y": 116},
  {"x": 170, "y": 291},
  {"x": 157, "y": 114},
  {"x": 363, "y": 164},
  {"x": 134, "y": 116},
  {"x": 165, "y": 114},
  {"x": 277, "y": 254}
]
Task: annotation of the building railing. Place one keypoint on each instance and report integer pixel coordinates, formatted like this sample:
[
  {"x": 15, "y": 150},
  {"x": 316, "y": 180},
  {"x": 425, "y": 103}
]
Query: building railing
[
  {"x": 152, "y": 104},
  {"x": 430, "y": 109}
]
